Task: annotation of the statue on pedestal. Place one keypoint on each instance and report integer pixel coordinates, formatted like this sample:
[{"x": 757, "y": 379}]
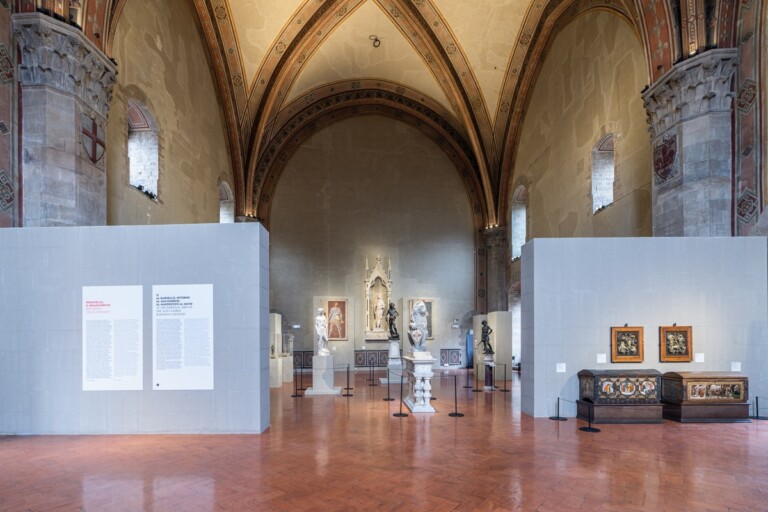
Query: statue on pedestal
[
  {"x": 417, "y": 329},
  {"x": 392, "y": 315},
  {"x": 485, "y": 339},
  {"x": 321, "y": 333}
]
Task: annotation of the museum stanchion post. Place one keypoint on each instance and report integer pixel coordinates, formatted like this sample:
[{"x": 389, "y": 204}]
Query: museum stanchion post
[
  {"x": 301, "y": 376},
  {"x": 372, "y": 375},
  {"x": 401, "y": 414},
  {"x": 757, "y": 410},
  {"x": 468, "y": 385},
  {"x": 296, "y": 393},
  {"x": 505, "y": 390},
  {"x": 591, "y": 416},
  {"x": 557, "y": 416},
  {"x": 389, "y": 398},
  {"x": 455, "y": 413},
  {"x": 347, "y": 394}
]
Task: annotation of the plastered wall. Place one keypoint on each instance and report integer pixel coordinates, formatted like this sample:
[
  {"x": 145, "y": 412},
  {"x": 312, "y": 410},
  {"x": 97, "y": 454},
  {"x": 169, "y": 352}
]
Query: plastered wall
[
  {"x": 43, "y": 271},
  {"x": 162, "y": 64},
  {"x": 370, "y": 186},
  {"x": 575, "y": 290},
  {"x": 589, "y": 86}
]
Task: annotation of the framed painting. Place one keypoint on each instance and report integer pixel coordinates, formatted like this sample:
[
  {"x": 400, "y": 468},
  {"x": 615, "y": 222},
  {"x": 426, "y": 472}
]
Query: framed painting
[
  {"x": 676, "y": 344},
  {"x": 336, "y": 312},
  {"x": 430, "y": 303},
  {"x": 626, "y": 344}
]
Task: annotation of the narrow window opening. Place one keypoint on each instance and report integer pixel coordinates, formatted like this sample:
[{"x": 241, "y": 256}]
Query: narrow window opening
[
  {"x": 518, "y": 220},
  {"x": 603, "y": 173},
  {"x": 143, "y": 155},
  {"x": 226, "y": 204}
]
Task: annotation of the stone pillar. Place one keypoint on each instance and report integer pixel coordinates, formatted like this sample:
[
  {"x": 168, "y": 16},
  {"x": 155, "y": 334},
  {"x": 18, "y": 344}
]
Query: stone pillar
[
  {"x": 497, "y": 245},
  {"x": 689, "y": 112},
  {"x": 66, "y": 87}
]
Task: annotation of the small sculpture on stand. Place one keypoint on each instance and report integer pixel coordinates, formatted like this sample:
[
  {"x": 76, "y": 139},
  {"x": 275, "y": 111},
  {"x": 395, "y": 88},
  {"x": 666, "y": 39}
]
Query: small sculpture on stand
[
  {"x": 417, "y": 329},
  {"x": 485, "y": 339},
  {"x": 321, "y": 332},
  {"x": 392, "y": 315}
]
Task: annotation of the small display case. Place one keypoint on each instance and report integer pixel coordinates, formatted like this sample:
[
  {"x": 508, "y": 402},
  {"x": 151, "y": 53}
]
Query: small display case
[
  {"x": 709, "y": 397},
  {"x": 619, "y": 396}
]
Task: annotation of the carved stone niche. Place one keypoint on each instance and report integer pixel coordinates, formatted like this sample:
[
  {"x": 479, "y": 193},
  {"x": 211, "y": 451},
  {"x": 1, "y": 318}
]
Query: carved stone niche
[{"x": 378, "y": 295}]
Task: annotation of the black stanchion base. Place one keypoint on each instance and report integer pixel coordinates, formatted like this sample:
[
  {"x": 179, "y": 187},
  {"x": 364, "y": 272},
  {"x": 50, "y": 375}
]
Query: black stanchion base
[
  {"x": 347, "y": 395},
  {"x": 589, "y": 429},
  {"x": 758, "y": 417},
  {"x": 388, "y": 399},
  {"x": 468, "y": 387},
  {"x": 347, "y": 389},
  {"x": 399, "y": 415},
  {"x": 558, "y": 418},
  {"x": 296, "y": 396},
  {"x": 433, "y": 398},
  {"x": 477, "y": 390},
  {"x": 456, "y": 415},
  {"x": 372, "y": 384},
  {"x": 505, "y": 390}
]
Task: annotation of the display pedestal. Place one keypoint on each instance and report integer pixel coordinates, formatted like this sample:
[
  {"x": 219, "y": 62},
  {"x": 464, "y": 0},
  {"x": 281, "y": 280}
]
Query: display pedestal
[
  {"x": 394, "y": 364},
  {"x": 322, "y": 377},
  {"x": 275, "y": 372},
  {"x": 287, "y": 360},
  {"x": 489, "y": 366},
  {"x": 418, "y": 367}
]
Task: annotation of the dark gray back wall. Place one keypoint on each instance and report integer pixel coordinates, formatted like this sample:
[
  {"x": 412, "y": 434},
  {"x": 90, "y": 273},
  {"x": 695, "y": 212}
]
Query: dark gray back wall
[{"x": 42, "y": 272}]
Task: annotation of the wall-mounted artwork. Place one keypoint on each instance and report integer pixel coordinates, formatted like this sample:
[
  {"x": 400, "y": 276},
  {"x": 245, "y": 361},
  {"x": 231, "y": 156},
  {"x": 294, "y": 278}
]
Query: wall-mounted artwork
[
  {"x": 430, "y": 303},
  {"x": 626, "y": 344},
  {"x": 336, "y": 312},
  {"x": 675, "y": 344}
]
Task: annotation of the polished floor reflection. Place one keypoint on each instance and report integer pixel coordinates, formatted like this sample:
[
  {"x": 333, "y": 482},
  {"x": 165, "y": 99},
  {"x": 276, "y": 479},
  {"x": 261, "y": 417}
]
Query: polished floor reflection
[{"x": 335, "y": 453}]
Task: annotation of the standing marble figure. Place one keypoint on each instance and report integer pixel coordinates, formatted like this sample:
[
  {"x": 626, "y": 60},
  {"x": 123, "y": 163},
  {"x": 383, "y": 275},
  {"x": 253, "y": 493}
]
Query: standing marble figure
[
  {"x": 321, "y": 332},
  {"x": 417, "y": 329},
  {"x": 378, "y": 312},
  {"x": 392, "y": 315}
]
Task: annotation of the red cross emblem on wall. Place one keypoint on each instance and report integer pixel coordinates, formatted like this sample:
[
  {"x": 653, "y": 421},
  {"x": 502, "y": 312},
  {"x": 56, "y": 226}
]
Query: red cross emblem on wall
[{"x": 93, "y": 137}]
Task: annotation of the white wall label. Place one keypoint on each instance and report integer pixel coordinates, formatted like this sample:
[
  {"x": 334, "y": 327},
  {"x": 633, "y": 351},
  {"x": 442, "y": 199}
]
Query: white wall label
[
  {"x": 602, "y": 358},
  {"x": 560, "y": 368},
  {"x": 736, "y": 366},
  {"x": 698, "y": 357},
  {"x": 182, "y": 336},
  {"x": 113, "y": 351}
]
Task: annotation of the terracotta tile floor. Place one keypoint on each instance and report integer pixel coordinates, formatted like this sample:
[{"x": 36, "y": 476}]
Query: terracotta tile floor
[{"x": 332, "y": 453}]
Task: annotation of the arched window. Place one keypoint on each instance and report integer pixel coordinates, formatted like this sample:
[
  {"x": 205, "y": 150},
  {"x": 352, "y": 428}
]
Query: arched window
[
  {"x": 226, "y": 203},
  {"x": 602, "y": 173},
  {"x": 518, "y": 220},
  {"x": 143, "y": 155}
]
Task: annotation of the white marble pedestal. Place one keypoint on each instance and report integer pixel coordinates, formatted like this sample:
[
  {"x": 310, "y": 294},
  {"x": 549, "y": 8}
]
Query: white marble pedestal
[
  {"x": 394, "y": 364},
  {"x": 275, "y": 372},
  {"x": 322, "y": 377},
  {"x": 287, "y": 368},
  {"x": 418, "y": 368}
]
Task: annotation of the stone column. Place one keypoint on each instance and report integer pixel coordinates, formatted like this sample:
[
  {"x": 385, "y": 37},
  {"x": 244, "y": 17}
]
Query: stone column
[
  {"x": 66, "y": 87},
  {"x": 497, "y": 245},
  {"x": 689, "y": 112}
]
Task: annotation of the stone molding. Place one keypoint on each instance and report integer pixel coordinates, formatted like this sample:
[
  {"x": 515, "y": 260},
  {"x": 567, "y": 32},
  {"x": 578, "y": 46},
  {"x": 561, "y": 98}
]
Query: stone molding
[
  {"x": 693, "y": 87},
  {"x": 57, "y": 55},
  {"x": 495, "y": 238}
]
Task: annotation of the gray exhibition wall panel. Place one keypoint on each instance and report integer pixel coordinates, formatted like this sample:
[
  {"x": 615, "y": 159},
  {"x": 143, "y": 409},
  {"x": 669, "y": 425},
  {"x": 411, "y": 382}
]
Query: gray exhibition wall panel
[
  {"x": 575, "y": 290},
  {"x": 42, "y": 273}
]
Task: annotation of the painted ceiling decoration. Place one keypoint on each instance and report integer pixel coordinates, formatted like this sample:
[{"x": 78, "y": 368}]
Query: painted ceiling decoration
[{"x": 462, "y": 70}]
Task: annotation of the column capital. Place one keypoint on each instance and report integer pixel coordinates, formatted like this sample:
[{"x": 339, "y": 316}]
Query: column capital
[
  {"x": 59, "y": 56},
  {"x": 495, "y": 238},
  {"x": 697, "y": 86}
]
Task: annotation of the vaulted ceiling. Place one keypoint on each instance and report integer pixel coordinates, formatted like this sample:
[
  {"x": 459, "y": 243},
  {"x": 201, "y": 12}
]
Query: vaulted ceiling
[{"x": 459, "y": 69}]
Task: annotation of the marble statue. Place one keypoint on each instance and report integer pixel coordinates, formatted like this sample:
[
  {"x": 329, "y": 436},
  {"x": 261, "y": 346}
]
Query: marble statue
[
  {"x": 485, "y": 339},
  {"x": 321, "y": 332},
  {"x": 378, "y": 312},
  {"x": 392, "y": 315},
  {"x": 417, "y": 329}
]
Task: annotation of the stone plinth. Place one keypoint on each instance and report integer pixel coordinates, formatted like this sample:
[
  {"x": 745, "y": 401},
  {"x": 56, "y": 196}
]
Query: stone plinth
[
  {"x": 489, "y": 366},
  {"x": 287, "y": 367},
  {"x": 394, "y": 364},
  {"x": 418, "y": 368},
  {"x": 322, "y": 377},
  {"x": 275, "y": 372}
]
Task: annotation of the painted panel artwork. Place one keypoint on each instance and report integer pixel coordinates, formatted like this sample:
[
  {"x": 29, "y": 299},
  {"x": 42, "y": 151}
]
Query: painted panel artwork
[
  {"x": 675, "y": 344},
  {"x": 626, "y": 344},
  {"x": 336, "y": 311},
  {"x": 716, "y": 391}
]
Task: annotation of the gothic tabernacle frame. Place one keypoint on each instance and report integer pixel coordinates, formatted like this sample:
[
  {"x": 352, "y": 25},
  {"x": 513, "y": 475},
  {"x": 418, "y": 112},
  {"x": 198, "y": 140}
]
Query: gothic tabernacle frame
[{"x": 378, "y": 295}]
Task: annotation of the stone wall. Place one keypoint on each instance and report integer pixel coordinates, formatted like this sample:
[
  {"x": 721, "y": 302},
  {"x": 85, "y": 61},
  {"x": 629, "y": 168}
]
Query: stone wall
[
  {"x": 163, "y": 65},
  {"x": 371, "y": 186},
  {"x": 589, "y": 87}
]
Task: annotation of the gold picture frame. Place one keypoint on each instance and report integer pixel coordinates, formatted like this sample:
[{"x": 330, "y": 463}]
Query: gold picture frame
[
  {"x": 676, "y": 344},
  {"x": 627, "y": 344}
]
